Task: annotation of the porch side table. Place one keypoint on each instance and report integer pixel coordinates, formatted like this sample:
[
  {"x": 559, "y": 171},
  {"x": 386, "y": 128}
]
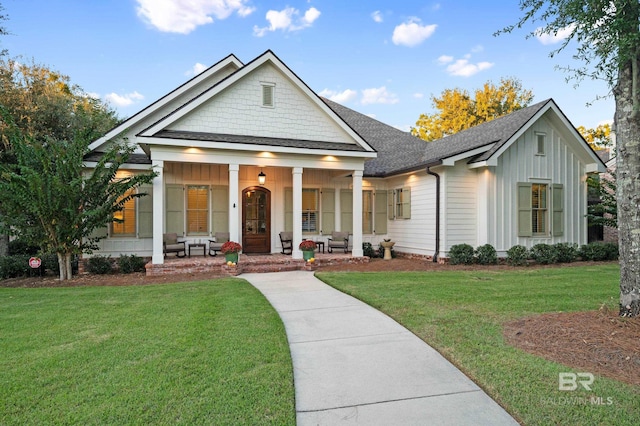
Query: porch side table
[{"x": 198, "y": 245}]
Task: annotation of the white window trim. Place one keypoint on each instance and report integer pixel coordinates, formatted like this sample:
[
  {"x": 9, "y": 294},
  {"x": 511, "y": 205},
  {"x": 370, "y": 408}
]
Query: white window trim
[
  {"x": 542, "y": 152},
  {"x": 263, "y": 86}
]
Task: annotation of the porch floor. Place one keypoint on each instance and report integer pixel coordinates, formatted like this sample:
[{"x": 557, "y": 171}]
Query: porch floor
[{"x": 275, "y": 262}]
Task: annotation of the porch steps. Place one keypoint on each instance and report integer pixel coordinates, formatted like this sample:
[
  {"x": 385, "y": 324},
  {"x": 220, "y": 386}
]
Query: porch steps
[{"x": 217, "y": 266}]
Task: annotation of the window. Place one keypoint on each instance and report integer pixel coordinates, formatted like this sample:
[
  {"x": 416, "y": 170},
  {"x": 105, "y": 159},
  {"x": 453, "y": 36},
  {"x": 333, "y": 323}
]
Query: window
[
  {"x": 539, "y": 208},
  {"x": 197, "y": 210},
  {"x": 268, "y": 94},
  {"x": 309, "y": 210},
  {"x": 399, "y": 203},
  {"x": 540, "y": 139},
  {"x": 535, "y": 202},
  {"x": 124, "y": 223}
]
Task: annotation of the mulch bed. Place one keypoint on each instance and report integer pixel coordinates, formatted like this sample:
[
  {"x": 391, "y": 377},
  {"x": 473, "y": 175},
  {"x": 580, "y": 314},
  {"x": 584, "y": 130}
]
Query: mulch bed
[{"x": 596, "y": 342}]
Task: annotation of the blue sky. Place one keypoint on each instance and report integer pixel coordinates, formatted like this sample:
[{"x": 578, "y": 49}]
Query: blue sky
[{"x": 382, "y": 58}]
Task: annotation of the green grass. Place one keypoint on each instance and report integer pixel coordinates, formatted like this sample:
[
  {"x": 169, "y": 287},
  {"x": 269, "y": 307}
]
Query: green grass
[
  {"x": 211, "y": 352},
  {"x": 461, "y": 315}
]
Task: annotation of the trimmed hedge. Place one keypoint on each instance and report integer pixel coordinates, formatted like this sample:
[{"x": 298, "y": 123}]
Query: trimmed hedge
[
  {"x": 517, "y": 255},
  {"x": 100, "y": 265},
  {"x": 486, "y": 255},
  {"x": 565, "y": 252},
  {"x": 130, "y": 264},
  {"x": 599, "y": 251},
  {"x": 461, "y": 254}
]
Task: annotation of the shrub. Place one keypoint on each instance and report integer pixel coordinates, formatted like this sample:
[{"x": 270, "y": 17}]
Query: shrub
[
  {"x": 461, "y": 254},
  {"x": 543, "y": 254},
  {"x": 517, "y": 255},
  {"x": 20, "y": 247},
  {"x": 50, "y": 262},
  {"x": 367, "y": 250},
  {"x": 565, "y": 252},
  {"x": 100, "y": 265},
  {"x": 14, "y": 266},
  {"x": 486, "y": 255},
  {"x": 129, "y": 264},
  {"x": 599, "y": 251}
]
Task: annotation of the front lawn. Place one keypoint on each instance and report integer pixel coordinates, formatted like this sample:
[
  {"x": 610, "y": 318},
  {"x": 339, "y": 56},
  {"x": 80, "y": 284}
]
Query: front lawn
[
  {"x": 461, "y": 315},
  {"x": 211, "y": 352}
]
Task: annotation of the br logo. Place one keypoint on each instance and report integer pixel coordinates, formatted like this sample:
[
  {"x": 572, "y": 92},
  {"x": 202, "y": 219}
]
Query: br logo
[{"x": 570, "y": 381}]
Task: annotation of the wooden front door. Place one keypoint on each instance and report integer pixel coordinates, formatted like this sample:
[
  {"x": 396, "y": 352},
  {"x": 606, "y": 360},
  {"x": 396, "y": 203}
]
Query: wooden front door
[{"x": 256, "y": 220}]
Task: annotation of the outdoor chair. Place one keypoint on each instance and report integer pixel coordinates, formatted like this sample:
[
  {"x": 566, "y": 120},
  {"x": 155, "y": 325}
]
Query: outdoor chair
[
  {"x": 170, "y": 244},
  {"x": 215, "y": 245},
  {"x": 338, "y": 240},
  {"x": 286, "y": 239}
]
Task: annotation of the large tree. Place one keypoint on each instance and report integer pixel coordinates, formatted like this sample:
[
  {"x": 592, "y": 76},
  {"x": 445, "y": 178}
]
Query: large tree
[
  {"x": 607, "y": 35},
  {"x": 49, "y": 200},
  {"x": 458, "y": 110}
]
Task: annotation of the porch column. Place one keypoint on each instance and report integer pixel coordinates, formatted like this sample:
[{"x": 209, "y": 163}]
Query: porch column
[
  {"x": 234, "y": 203},
  {"x": 157, "y": 257},
  {"x": 297, "y": 212},
  {"x": 357, "y": 214}
]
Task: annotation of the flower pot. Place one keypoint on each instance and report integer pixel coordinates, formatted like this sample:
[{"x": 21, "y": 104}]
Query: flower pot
[
  {"x": 231, "y": 257},
  {"x": 308, "y": 254}
]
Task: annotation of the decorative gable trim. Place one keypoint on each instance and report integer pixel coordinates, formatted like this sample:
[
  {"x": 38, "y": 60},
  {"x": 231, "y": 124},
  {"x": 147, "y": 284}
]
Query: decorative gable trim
[
  {"x": 270, "y": 57},
  {"x": 230, "y": 60}
]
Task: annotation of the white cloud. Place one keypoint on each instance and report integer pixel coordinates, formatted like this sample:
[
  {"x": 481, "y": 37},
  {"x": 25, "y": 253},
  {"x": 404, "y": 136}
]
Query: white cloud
[
  {"x": 184, "y": 16},
  {"x": 412, "y": 33},
  {"x": 340, "y": 97},
  {"x": 463, "y": 68},
  {"x": 561, "y": 35},
  {"x": 196, "y": 69},
  {"x": 377, "y": 16},
  {"x": 418, "y": 95},
  {"x": 445, "y": 59},
  {"x": 288, "y": 19},
  {"x": 124, "y": 100},
  {"x": 378, "y": 95},
  {"x": 477, "y": 49}
]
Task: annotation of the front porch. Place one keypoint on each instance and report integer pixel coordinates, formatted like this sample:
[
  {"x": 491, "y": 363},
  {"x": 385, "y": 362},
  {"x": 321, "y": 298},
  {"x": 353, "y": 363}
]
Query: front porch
[{"x": 276, "y": 262}]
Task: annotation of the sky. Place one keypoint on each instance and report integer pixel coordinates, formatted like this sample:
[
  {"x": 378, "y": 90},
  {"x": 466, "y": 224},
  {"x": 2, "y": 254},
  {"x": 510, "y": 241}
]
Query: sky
[{"x": 386, "y": 59}]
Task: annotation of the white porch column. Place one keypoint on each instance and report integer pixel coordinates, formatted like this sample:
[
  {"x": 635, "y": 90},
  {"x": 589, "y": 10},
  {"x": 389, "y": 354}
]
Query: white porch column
[
  {"x": 482, "y": 216},
  {"x": 158, "y": 212},
  {"x": 297, "y": 212},
  {"x": 338, "y": 215},
  {"x": 234, "y": 203},
  {"x": 357, "y": 214}
]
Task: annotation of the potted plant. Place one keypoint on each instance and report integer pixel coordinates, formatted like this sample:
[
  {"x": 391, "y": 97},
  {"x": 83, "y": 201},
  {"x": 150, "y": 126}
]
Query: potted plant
[
  {"x": 308, "y": 248},
  {"x": 230, "y": 250}
]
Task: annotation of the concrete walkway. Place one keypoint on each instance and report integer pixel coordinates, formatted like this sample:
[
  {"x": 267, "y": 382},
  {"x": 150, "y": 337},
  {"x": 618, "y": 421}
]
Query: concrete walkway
[{"x": 353, "y": 364}]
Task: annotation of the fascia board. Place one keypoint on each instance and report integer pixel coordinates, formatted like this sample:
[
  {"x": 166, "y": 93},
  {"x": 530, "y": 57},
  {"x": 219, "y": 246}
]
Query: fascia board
[{"x": 451, "y": 161}]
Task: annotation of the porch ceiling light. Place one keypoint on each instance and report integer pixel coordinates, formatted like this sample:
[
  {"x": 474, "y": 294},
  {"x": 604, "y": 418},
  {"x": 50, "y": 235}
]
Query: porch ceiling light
[{"x": 262, "y": 178}]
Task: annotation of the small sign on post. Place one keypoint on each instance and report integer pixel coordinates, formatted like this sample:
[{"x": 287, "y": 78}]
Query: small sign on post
[{"x": 35, "y": 262}]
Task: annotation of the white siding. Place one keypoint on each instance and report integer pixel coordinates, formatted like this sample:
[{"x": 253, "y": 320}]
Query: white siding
[
  {"x": 459, "y": 190},
  {"x": 519, "y": 163},
  {"x": 415, "y": 235},
  {"x": 238, "y": 110}
]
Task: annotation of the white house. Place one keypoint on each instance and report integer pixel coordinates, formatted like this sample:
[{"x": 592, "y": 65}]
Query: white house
[{"x": 519, "y": 179}]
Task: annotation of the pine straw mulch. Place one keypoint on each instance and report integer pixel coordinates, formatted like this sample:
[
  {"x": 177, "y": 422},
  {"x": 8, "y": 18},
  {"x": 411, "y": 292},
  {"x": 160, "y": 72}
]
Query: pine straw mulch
[{"x": 597, "y": 342}]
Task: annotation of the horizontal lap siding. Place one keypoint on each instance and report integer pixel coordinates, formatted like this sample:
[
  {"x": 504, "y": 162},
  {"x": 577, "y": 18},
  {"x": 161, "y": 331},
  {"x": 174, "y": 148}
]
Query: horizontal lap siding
[
  {"x": 415, "y": 235},
  {"x": 460, "y": 206}
]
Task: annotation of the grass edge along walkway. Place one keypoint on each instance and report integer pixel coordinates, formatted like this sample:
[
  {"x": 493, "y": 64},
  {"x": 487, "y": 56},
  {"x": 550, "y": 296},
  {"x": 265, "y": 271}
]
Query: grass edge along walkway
[
  {"x": 461, "y": 314},
  {"x": 210, "y": 352}
]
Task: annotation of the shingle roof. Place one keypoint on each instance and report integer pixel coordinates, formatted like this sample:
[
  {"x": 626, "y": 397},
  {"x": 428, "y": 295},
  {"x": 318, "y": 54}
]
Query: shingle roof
[
  {"x": 259, "y": 140},
  {"x": 399, "y": 151},
  {"x": 133, "y": 158}
]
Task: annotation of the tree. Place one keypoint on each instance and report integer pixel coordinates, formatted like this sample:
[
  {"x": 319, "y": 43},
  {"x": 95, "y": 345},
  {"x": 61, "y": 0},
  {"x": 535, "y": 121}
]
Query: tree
[
  {"x": 457, "y": 110},
  {"x": 3, "y": 30},
  {"x": 607, "y": 33},
  {"x": 598, "y": 138},
  {"x": 49, "y": 200},
  {"x": 605, "y": 212}
]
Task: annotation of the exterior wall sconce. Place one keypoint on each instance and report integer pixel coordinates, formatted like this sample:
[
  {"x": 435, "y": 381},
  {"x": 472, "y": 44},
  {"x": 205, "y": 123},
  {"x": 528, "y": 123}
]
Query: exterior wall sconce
[{"x": 262, "y": 178}]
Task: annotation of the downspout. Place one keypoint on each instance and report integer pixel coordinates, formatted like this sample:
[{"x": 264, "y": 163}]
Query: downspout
[{"x": 437, "y": 176}]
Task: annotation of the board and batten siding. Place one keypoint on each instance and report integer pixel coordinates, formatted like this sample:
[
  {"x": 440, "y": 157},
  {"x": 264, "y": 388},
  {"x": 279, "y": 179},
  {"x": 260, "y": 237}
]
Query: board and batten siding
[
  {"x": 238, "y": 110},
  {"x": 417, "y": 234},
  {"x": 521, "y": 163},
  {"x": 459, "y": 209}
]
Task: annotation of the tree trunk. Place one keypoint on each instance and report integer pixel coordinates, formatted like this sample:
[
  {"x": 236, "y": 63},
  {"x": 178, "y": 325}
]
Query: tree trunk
[
  {"x": 64, "y": 263},
  {"x": 4, "y": 245},
  {"x": 627, "y": 122}
]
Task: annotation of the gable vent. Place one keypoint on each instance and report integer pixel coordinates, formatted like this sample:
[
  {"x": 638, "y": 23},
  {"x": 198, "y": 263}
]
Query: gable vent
[{"x": 268, "y": 95}]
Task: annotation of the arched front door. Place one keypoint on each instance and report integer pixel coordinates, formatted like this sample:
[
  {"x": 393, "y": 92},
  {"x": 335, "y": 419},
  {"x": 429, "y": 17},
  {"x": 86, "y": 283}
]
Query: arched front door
[{"x": 256, "y": 220}]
